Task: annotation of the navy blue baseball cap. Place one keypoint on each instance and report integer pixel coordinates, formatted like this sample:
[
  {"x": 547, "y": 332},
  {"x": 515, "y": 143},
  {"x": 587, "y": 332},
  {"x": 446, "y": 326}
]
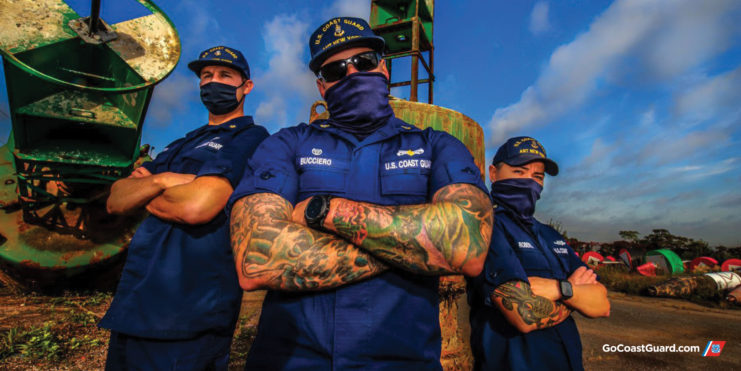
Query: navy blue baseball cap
[
  {"x": 222, "y": 56},
  {"x": 519, "y": 151},
  {"x": 339, "y": 34}
]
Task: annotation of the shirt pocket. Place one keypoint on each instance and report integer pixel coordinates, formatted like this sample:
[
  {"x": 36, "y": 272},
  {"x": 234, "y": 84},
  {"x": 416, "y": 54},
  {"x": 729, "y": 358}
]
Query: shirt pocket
[
  {"x": 326, "y": 174},
  {"x": 533, "y": 261},
  {"x": 406, "y": 176},
  {"x": 192, "y": 161}
]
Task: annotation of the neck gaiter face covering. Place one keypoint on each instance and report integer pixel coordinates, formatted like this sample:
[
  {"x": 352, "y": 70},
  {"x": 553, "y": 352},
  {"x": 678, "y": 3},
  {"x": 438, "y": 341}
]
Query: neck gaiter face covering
[
  {"x": 519, "y": 195},
  {"x": 359, "y": 104}
]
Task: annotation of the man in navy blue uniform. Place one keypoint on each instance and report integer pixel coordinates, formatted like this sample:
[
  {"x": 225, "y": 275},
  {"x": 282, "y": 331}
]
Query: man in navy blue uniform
[
  {"x": 521, "y": 303},
  {"x": 178, "y": 300},
  {"x": 349, "y": 221}
]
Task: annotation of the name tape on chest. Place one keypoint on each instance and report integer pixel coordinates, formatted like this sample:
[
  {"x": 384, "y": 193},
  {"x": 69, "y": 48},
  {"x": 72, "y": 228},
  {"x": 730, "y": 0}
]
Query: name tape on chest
[
  {"x": 525, "y": 245},
  {"x": 315, "y": 161},
  {"x": 416, "y": 163}
]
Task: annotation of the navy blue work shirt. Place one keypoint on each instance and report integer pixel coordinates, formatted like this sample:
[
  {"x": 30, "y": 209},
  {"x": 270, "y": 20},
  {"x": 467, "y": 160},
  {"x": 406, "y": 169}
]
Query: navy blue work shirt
[
  {"x": 387, "y": 322},
  {"x": 179, "y": 280},
  {"x": 519, "y": 250}
]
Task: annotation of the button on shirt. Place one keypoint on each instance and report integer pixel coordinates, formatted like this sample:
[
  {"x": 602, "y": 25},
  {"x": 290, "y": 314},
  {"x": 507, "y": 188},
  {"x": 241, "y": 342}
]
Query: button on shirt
[
  {"x": 389, "y": 321},
  {"x": 179, "y": 280},
  {"x": 519, "y": 250}
]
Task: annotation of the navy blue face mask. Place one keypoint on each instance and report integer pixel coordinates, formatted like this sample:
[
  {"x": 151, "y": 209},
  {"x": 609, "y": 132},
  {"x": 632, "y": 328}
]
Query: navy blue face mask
[
  {"x": 220, "y": 98},
  {"x": 359, "y": 103},
  {"x": 519, "y": 195}
]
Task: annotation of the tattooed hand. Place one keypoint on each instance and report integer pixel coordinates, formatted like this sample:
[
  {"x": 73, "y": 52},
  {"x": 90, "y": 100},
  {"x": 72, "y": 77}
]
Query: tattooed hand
[
  {"x": 273, "y": 252},
  {"x": 450, "y": 235}
]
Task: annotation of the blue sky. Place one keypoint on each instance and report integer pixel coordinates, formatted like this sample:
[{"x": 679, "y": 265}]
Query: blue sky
[{"x": 639, "y": 101}]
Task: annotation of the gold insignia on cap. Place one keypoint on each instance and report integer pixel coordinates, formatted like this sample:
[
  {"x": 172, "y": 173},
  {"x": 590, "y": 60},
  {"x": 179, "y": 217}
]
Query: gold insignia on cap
[
  {"x": 217, "y": 53},
  {"x": 338, "y": 31}
]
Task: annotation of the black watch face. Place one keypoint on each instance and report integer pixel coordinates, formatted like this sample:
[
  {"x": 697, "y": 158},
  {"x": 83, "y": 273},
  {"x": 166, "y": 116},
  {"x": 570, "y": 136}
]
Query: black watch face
[
  {"x": 314, "y": 208},
  {"x": 566, "y": 289}
]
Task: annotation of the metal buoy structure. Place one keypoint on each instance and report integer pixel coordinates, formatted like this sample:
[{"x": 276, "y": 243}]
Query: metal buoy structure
[
  {"x": 78, "y": 90},
  {"x": 406, "y": 26}
]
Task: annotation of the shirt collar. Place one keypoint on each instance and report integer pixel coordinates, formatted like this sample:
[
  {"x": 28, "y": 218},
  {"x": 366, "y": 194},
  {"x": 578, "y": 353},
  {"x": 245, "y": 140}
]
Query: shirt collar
[
  {"x": 233, "y": 124},
  {"x": 393, "y": 127}
]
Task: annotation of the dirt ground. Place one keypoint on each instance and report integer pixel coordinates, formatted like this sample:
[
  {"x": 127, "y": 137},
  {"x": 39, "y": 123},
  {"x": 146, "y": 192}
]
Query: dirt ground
[
  {"x": 633, "y": 321},
  {"x": 637, "y": 320}
]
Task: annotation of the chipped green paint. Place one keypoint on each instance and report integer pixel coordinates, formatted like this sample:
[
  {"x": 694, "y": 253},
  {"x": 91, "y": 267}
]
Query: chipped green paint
[
  {"x": 28, "y": 25},
  {"x": 149, "y": 44},
  {"x": 84, "y": 106},
  {"x": 77, "y": 111}
]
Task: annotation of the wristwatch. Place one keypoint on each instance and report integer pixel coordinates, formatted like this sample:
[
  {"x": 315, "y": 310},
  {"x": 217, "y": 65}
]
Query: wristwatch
[
  {"x": 316, "y": 211},
  {"x": 566, "y": 290}
]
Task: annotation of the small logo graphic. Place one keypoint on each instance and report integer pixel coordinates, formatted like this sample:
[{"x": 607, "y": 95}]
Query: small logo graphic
[
  {"x": 713, "y": 348},
  {"x": 559, "y": 243},
  {"x": 338, "y": 31},
  {"x": 316, "y": 151},
  {"x": 410, "y": 152},
  {"x": 211, "y": 144},
  {"x": 525, "y": 245}
]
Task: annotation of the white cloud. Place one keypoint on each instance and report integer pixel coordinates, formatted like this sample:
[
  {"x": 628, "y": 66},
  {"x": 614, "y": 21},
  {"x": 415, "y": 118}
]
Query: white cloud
[
  {"x": 348, "y": 8},
  {"x": 203, "y": 26},
  {"x": 287, "y": 79},
  {"x": 539, "y": 18},
  {"x": 707, "y": 98},
  {"x": 171, "y": 97},
  {"x": 666, "y": 38}
]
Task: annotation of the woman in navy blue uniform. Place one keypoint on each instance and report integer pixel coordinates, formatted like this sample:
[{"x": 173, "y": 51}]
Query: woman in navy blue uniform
[
  {"x": 521, "y": 304},
  {"x": 178, "y": 300},
  {"x": 349, "y": 221}
]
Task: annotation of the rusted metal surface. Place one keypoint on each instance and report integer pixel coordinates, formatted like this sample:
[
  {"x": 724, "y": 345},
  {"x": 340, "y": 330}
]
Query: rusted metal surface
[
  {"x": 681, "y": 286},
  {"x": 455, "y": 327},
  {"x": 406, "y": 26},
  {"x": 84, "y": 106},
  {"x": 28, "y": 24},
  {"x": 149, "y": 44},
  {"x": 77, "y": 110}
]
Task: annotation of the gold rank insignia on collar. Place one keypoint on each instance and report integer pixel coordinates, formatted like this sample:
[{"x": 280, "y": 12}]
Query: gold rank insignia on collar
[
  {"x": 324, "y": 126},
  {"x": 406, "y": 127},
  {"x": 232, "y": 126}
]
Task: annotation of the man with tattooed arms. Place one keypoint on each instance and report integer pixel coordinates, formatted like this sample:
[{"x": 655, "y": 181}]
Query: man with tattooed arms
[
  {"x": 521, "y": 303},
  {"x": 348, "y": 222}
]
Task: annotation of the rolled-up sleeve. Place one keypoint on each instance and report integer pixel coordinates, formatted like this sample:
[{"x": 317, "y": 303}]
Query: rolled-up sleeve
[
  {"x": 453, "y": 164},
  {"x": 501, "y": 266},
  {"x": 271, "y": 169},
  {"x": 232, "y": 159}
]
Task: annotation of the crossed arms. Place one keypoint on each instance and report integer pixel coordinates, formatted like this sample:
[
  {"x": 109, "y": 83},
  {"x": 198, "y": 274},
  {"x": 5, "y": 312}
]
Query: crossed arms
[
  {"x": 274, "y": 249},
  {"x": 175, "y": 197},
  {"x": 538, "y": 304}
]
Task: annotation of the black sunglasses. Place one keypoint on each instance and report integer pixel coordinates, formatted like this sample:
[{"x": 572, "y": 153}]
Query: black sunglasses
[{"x": 336, "y": 70}]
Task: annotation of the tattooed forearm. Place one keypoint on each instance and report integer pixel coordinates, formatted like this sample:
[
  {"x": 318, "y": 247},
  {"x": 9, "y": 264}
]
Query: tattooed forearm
[
  {"x": 272, "y": 252},
  {"x": 525, "y": 310},
  {"x": 449, "y": 235}
]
